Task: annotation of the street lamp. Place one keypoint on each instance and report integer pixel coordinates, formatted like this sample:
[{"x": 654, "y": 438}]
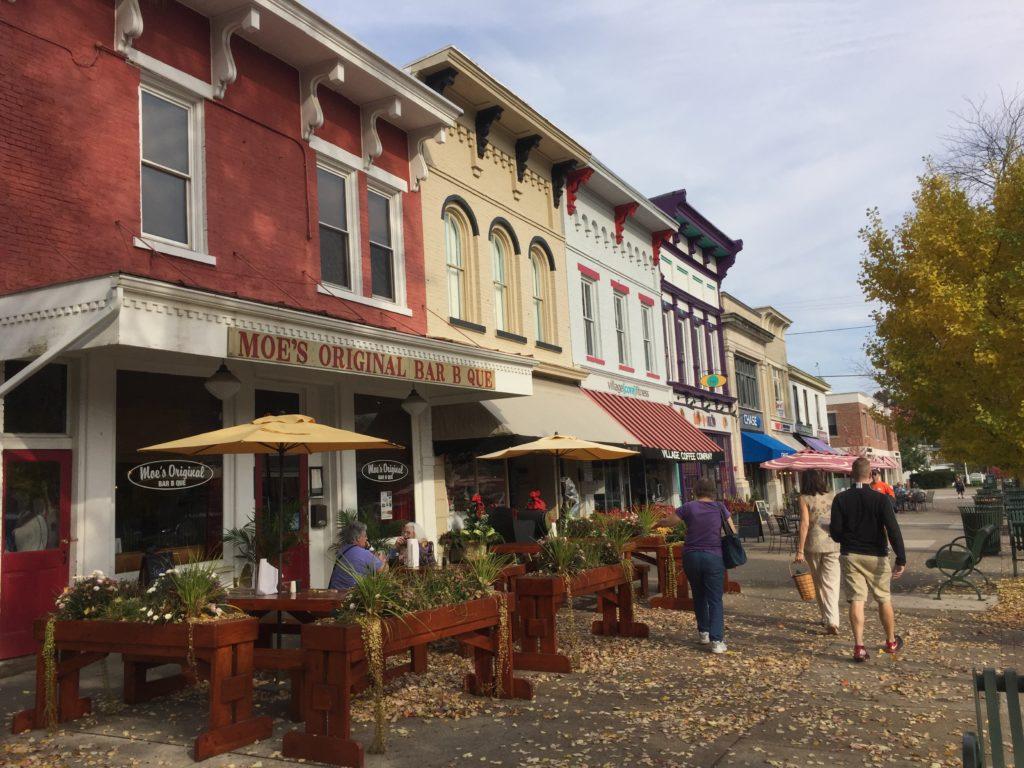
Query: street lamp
[{"x": 223, "y": 384}]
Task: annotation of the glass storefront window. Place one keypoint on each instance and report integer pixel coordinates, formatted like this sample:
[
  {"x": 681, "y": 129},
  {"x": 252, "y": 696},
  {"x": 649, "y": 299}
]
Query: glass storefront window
[
  {"x": 153, "y": 408},
  {"x": 38, "y": 405},
  {"x": 609, "y": 494},
  {"x": 465, "y": 476},
  {"x": 31, "y": 505},
  {"x": 384, "y": 481}
]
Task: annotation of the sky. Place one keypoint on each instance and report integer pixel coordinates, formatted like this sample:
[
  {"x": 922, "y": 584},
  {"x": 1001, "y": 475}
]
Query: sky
[{"x": 784, "y": 121}]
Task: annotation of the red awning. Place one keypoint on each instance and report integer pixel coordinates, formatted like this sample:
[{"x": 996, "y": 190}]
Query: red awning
[{"x": 655, "y": 425}]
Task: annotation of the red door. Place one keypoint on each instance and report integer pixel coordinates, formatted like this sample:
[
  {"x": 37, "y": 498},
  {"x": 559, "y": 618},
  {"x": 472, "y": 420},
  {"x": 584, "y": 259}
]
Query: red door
[
  {"x": 36, "y": 533},
  {"x": 296, "y": 517}
]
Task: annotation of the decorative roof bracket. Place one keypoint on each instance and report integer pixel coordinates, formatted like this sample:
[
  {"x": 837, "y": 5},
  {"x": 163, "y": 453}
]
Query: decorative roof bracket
[
  {"x": 223, "y": 71},
  {"x": 524, "y": 147},
  {"x": 559, "y": 173},
  {"x": 310, "y": 79},
  {"x": 389, "y": 106},
  {"x": 485, "y": 118},
  {"x": 419, "y": 163},
  {"x": 127, "y": 24},
  {"x": 573, "y": 182},
  {"x": 441, "y": 79},
  {"x": 623, "y": 212},
  {"x": 656, "y": 240}
]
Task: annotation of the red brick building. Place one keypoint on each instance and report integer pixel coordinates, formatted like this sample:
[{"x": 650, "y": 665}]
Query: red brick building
[
  {"x": 853, "y": 427},
  {"x": 194, "y": 184}
]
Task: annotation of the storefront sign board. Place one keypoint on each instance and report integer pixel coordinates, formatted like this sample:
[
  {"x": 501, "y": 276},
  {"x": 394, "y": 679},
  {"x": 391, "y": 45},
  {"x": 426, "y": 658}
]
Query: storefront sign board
[
  {"x": 781, "y": 426},
  {"x": 304, "y": 353},
  {"x": 384, "y": 471},
  {"x": 751, "y": 420},
  {"x": 170, "y": 475},
  {"x": 695, "y": 456}
]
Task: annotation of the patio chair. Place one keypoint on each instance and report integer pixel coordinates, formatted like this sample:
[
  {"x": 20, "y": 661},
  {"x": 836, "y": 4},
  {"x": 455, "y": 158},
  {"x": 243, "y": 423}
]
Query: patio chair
[
  {"x": 929, "y": 499},
  {"x": 770, "y": 529},
  {"x": 787, "y": 531},
  {"x": 1015, "y": 523},
  {"x": 992, "y": 684},
  {"x": 957, "y": 562}
]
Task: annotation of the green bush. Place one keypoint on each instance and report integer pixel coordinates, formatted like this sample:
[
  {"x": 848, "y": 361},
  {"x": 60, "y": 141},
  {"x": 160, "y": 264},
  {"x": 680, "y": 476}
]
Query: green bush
[{"x": 935, "y": 478}]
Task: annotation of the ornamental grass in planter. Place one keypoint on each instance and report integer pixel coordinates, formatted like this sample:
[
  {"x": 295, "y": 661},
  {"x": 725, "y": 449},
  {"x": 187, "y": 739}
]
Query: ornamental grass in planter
[
  {"x": 388, "y": 612},
  {"x": 181, "y": 618}
]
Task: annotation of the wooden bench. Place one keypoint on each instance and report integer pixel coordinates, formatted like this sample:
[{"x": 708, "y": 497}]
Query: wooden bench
[{"x": 992, "y": 684}]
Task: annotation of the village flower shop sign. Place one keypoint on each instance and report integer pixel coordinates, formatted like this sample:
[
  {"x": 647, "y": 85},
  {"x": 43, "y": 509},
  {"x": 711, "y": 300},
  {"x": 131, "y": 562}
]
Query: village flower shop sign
[{"x": 265, "y": 347}]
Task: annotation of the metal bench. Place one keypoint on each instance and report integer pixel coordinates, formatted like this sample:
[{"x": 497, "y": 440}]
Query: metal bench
[
  {"x": 992, "y": 684},
  {"x": 957, "y": 561}
]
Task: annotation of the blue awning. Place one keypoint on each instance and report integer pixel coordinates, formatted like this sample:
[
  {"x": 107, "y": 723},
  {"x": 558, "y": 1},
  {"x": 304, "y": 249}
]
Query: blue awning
[{"x": 758, "y": 447}]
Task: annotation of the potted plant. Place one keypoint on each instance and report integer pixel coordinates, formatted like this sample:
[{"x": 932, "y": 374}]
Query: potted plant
[
  {"x": 263, "y": 539},
  {"x": 181, "y": 618}
]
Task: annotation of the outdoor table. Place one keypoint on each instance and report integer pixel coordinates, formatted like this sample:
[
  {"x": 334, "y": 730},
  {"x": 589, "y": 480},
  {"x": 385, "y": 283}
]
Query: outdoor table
[{"x": 682, "y": 601}]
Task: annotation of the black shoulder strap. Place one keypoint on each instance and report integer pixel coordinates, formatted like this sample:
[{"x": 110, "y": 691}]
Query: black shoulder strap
[{"x": 722, "y": 510}]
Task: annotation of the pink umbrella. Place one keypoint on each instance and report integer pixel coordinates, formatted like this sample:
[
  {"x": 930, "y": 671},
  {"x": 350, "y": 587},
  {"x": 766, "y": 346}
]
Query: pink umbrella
[{"x": 801, "y": 460}]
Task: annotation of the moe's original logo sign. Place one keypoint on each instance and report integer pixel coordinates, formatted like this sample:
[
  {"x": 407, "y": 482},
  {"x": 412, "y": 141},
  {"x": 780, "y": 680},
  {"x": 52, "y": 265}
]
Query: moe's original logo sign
[
  {"x": 384, "y": 471},
  {"x": 170, "y": 475},
  {"x": 265, "y": 347}
]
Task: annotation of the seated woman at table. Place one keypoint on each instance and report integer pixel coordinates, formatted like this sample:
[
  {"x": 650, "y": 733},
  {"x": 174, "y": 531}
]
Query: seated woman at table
[
  {"x": 354, "y": 555},
  {"x": 400, "y": 551}
]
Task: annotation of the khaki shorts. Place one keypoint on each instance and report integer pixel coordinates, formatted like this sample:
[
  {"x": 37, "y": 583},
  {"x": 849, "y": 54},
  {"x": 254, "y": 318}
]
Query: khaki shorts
[{"x": 864, "y": 574}]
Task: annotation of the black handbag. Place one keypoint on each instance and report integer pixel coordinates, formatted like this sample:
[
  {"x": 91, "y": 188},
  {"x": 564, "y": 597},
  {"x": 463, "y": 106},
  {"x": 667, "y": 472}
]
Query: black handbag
[{"x": 733, "y": 554}]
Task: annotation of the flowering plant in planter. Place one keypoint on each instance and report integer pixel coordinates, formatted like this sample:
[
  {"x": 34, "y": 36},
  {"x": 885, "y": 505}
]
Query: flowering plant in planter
[
  {"x": 738, "y": 505},
  {"x": 536, "y": 502}
]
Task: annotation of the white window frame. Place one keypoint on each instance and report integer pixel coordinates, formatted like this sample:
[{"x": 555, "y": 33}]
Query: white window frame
[
  {"x": 196, "y": 248},
  {"x": 647, "y": 332},
  {"x": 688, "y": 351},
  {"x": 538, "y": 279},
  {"x": 779, "y": 392},
  {"x": 458, "y": 272},
  {"x": 702, "y": 352},
  {"x": 355, "y": 267},
  {"x": 671, "y": 356},
  {"x": 591, "y": 345},
  {"x": 397, "y": 240},
  {"x": 498, "y": 243},
  {"x": 620, "y": 311}
]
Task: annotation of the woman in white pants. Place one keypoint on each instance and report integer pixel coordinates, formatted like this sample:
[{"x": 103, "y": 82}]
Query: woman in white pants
[{"x": 816, "y": 548}]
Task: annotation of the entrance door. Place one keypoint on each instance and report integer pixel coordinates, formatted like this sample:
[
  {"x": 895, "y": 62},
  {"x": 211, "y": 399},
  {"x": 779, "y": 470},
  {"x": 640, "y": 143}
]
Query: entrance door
[{"x": 36, "y": 534}]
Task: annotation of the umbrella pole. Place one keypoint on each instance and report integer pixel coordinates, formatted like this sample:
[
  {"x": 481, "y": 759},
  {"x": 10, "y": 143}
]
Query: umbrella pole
[{"x": 280, "y": 534}]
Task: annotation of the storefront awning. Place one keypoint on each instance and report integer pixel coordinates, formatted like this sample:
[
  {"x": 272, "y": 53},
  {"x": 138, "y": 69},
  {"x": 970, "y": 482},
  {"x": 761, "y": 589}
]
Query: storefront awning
[
  {"x": 552, "y": 407},
  {"x": 659, "y": 427},
  {"x": 758, "y": 447},
  {"x": 818, "y": 445}
]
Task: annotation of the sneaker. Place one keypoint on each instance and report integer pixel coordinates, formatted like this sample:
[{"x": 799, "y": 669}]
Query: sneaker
[
  {"x": 894, "y": 647},
  {"x": 860, "y": 653},
  {"x": 703, "y": 638},
  {"x": 718, "y": 646}
]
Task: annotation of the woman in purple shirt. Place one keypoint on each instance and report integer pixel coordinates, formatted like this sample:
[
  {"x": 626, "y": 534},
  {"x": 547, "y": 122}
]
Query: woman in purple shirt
[
  {"x": 354, "y": 556},
  {"x": 702, "y": 562}
]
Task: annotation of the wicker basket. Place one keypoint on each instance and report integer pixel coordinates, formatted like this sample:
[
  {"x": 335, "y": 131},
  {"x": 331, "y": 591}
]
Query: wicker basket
[{"x": 804, "y": 583}]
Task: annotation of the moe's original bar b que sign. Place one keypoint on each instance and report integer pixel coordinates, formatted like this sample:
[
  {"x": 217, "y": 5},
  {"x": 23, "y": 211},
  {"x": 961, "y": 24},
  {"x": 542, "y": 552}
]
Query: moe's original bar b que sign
[{"x": 250, "y": 345}]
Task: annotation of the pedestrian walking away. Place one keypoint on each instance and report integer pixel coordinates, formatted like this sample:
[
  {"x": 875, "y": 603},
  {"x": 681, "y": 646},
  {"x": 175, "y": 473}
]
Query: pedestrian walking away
[
  {"x": 959, "y": 486},
  {"x": 816, "y": 548},
  {"x": 703, "y": 563},
  {"x": 864, "y": 524}
]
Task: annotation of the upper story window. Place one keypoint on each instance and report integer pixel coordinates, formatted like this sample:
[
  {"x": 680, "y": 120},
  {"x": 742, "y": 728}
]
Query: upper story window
[
  {"x": 833, "y": 428},
  {"x": 796, "y": 406},
  {"x": 499, "y": 268},
  {"x": 647, "y": 326},
  {"x": 817, "y": 411},
  {"x": 807, "y": 410},
  {"x": 746, "y": 383},
  {"x": 333, "y": 202},
  {"x": 673, "y": 364},
  {"x": 383, "y": 264},
  {"x": 456, "y": 256},
  {"x": 538, "y": 272},
  {"x": 588, "y": 291},
  {"x": 621, "y": 326},
  {"x": 171, "y": 168},
  {"x": 713, "y": 342},
  {"x": 702, "y": 351},
  {"x": 779, "y": 393},
  {"x": 38, "y": 405},
  {"x": 687, "y": 361}
]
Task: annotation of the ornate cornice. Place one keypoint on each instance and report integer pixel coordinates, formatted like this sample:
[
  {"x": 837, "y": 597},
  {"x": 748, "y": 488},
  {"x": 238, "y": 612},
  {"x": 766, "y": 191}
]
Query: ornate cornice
[
  {"x": 223, "y": 71},
  {"x": 623, "y": 212},
  {"x": 485, "y": 118},
  {"x": 559, "y": 174},
  {"x": 389, "y": 106},
  {"x": 420, "y": 161},
  {"x": 524, "y": 147},
  {"x": 656, "y": 240},
  {"x": 573, "y": 182},
  {"x": 310, "y": 79},
  {"x": 441, "y": 79},
  {"x": 127, "y": 24}
]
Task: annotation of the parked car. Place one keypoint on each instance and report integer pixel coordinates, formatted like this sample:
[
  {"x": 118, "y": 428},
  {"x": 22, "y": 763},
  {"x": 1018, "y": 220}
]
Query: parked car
[{"x": 976, "y": 478}]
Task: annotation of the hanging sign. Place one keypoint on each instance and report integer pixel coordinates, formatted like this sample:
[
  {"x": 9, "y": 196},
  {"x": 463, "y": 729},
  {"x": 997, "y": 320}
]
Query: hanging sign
[
  {"x": 307, "y": 353},
  {"x": 170, "y": 475},
  {"x": 384, "y": 471},
  {"x": 713, "y": 380}
]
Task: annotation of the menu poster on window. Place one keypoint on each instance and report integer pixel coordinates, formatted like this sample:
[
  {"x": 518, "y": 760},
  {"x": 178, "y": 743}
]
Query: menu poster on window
[{"x": 386, "y": 505}]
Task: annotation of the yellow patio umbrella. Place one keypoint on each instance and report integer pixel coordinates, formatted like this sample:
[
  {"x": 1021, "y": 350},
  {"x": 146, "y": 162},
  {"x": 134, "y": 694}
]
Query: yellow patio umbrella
[
  {"x": 563, "y": 447},
  {"x": 282, "y": 435}
]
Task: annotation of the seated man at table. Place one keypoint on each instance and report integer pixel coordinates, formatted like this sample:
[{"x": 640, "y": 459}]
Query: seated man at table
[{"x": 354, "y": 555}]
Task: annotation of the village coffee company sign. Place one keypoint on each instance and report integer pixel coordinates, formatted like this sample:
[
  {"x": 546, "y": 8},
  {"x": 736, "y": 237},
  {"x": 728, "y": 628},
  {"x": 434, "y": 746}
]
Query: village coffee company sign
[{"x": 264, "y": 347}]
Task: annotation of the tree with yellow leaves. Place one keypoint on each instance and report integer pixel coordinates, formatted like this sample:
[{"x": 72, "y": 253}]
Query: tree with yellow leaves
[{"x": 949, "y": 342}]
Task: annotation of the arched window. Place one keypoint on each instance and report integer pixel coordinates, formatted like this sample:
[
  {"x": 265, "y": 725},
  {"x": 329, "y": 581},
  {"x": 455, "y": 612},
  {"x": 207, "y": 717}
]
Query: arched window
[
  {"x": 502, "y": 281},
  {"x": 455, "y": 254},
  {"x": 539, "y": 274}
]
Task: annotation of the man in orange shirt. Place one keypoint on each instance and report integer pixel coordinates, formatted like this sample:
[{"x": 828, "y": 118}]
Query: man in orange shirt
[{"x": 878, "y": 484}]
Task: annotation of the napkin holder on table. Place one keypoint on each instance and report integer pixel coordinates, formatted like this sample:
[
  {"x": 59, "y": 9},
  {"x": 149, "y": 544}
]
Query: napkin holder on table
[{"x": 266, "y": 579}]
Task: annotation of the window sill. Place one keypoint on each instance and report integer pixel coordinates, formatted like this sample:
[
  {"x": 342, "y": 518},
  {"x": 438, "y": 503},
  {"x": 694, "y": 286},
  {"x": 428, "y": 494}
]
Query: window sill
[
  {"x": 592, "y": 359},
  {"x": 549, "y": 347},
  {"x": 627, "y": 369},
  {"x": 653, "y": 376},
  {"x": 511, "y": 336},
  {"x": 475, "y": 327},
  {"x": 170, "y": 249},
  {"x": 345, "y": 294}
]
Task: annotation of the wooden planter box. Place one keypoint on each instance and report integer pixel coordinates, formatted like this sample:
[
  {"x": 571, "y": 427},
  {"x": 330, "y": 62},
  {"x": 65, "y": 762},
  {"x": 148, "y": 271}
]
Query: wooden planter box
[
  {"x": 538, "y": 599},
  {"x": 641, "y": 543},
  {"x": 682, "y": 601},
  {"x": 335, "y": 667},
  {"x": 223, "y": 654}
]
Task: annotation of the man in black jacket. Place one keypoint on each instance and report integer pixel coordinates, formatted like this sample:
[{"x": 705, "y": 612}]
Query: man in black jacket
[{"x": 862, "y": 521}]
